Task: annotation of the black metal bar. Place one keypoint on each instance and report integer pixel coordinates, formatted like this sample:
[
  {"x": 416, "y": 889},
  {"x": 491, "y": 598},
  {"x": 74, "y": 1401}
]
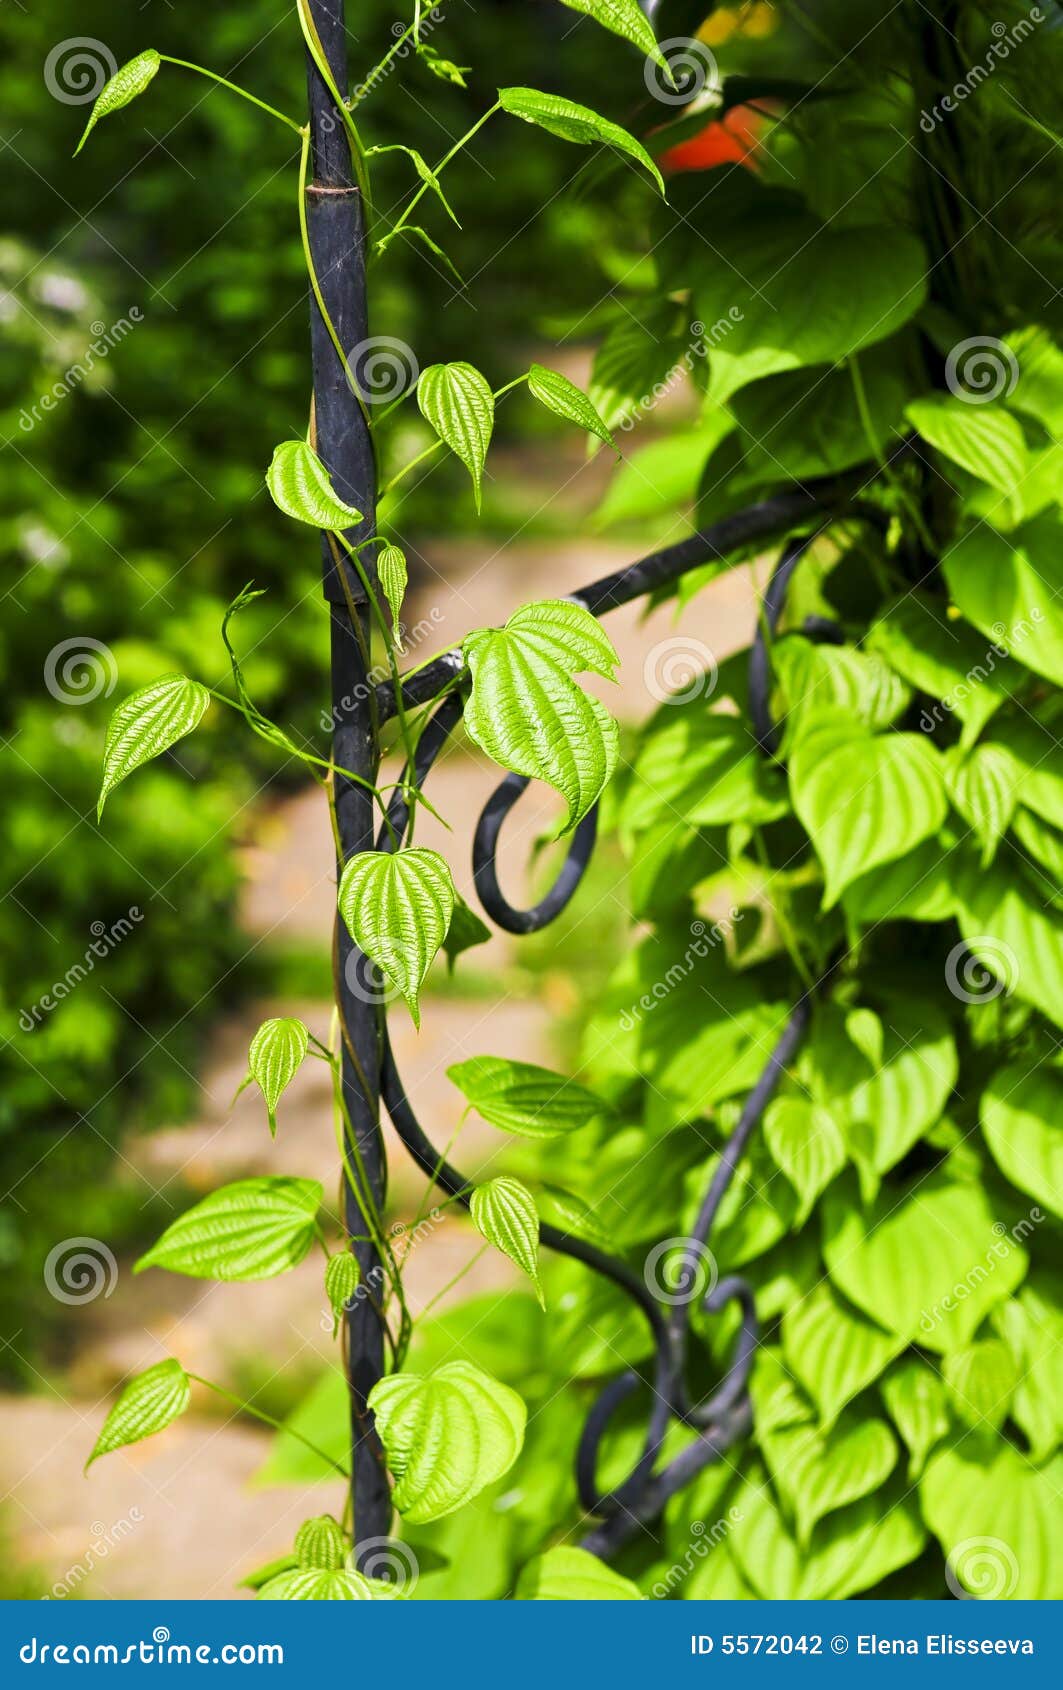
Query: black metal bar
[
  {"x": 762, "y": 521},
  {"x": 335, "y": 221}
]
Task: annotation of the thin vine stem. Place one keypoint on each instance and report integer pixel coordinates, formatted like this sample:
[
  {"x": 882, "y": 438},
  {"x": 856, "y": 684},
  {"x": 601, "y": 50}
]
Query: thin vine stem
[
  {"x": 234, "y": 88},
  {"x": 269, "y": 1420}
]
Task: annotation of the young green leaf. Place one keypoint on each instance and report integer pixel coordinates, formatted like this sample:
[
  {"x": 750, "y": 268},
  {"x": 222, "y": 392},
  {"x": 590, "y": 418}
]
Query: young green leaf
[
  {"x": 528, "y": 714},
  {"x": 252, "y": 1229},
  {"x": 995, "y": 1516},
  {"x": 985, "y": 440},
  {"x": 816, "y": 1473},
  {"x": 392, "y": 573},
  {"x": 833, "y": 1350},
  {"x": 568, "y": 1574},
  {"x": 504, "y": 1211},
  {"x": 985, "y": 786},
  {"x": 572, "y": 122},
  {"x": 864, "y": 799},
  {"x": 341, "y": 1281},
  {"x": 146, "y": 1405},
  {"x": 320, "y": 1543},
  {"x": 626, "y": 18},
  {"x": 148, "y": 723},
  {"x": 901, "y": 1258},
  {"x": 519, "y": 1097},
  {"x": 917, "y": 1402},
  {"x": 1022, "y": 1119},
  {"x": 300, "y": 486},
  {"x": 397, "y": 906},
  {"x": 277, "y": 1050},
  {"x": 566, "y": 400},
  {"x": 446, "y": 1436},
  {"x": 459, "y": 404},
  {"x": 805, "y": 1143},
  {"x": 126, "y": 83},
  {"x": 322, "y": 1584},
  {"x": 981, "y": 1380}
]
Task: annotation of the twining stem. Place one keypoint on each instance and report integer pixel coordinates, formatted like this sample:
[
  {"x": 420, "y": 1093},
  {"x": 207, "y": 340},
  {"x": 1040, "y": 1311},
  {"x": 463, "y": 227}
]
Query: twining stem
[
  {"x": 304, "y": 235},
  {"x": 201, "y": 70},
  {"x": 440, "y": 167},
  {"x": 268, "y": 1420},
  {"x": 317, "y": 53}
]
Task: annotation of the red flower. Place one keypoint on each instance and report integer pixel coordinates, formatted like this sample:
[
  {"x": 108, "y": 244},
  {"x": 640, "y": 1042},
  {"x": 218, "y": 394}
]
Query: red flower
[{"x": 731, "y": 140}]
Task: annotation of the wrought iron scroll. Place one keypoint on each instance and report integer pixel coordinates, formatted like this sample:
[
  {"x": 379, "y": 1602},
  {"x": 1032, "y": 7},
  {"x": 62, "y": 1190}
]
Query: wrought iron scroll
[{"x": 725, "y": 1416}]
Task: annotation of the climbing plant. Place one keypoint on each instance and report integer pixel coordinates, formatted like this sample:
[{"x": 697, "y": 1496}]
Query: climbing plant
[{"x": 807, "y": 1180}]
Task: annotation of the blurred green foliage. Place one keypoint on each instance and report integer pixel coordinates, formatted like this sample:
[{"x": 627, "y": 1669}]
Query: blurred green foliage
[{"x": 132, "y": 509}]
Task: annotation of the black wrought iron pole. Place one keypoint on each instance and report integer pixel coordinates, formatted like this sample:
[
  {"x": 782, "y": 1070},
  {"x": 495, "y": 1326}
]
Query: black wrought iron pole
[{"x": 336, "y": 222}]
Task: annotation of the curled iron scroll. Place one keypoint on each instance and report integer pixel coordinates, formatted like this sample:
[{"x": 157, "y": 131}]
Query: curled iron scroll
[{"x": 725, "y": 1416}]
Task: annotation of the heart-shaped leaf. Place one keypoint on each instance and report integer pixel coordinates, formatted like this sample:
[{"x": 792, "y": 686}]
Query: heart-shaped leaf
[
  {"x": 985, "y": 440},
  {"x": 397, "y": 907},
  {"x": 792, "y": 291},
  {"x": 568, "y": 1574},
  {"x": 917, "y": 1401},
  {"x": 528, "y": 714},
  {"x": 865, "y": 799},
  {"x": 806, "y": 1144},
  {"x": 504, "y": 1211},
  {"x": 984, "y": 785},
  {"x": 519, "y": 1097},
  {"x": 995, "y": 1516},
  {"x": 299, "y": 485},
  {"x": 1013, "y": 935},
  {"x": 566, "y": 400},
  {"x": 126, "y": 83},
  {"x": 459, "y": 404},
  {"x": 446, "y": 1436},
  {"x": 147, "y": 1404},
  {"x": 1009, "y": 586},
  {"x": 981, "y": 1380},
  {"x": 276, "y": 1053},
  {"x": 252, "y": 1229},
  {"x": 572, "y": 122},
  {"x": 903, "y": 1260},
  {"x": 147, "y": 723},
  {"x": 833, "y": 1350},
  {"x": 816, "y": 1472},
  {"x": 1022, "y": 1119}
]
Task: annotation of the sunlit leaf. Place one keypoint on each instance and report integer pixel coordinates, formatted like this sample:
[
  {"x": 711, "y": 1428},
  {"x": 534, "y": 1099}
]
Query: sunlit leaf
[
  {"x": 126, "y": 83},
  {"x": 397, "y": 906},
  {"x": 147, "y": 1404},
  {"x": 148, "y": 723},
  {"x": 504, "y": 1211},
  {"x": 252, "y": 1229},
  {"x": 277, "y": 1050},
  {"x": 446, "y": 1436},
  {"x": 519, "y": 1097},
  {"x": 572, "y": 122},
  {"x": 568, "y": 1574},
  {"x": 459, "y": 404},
  {"x": 300, "y": 486}
]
